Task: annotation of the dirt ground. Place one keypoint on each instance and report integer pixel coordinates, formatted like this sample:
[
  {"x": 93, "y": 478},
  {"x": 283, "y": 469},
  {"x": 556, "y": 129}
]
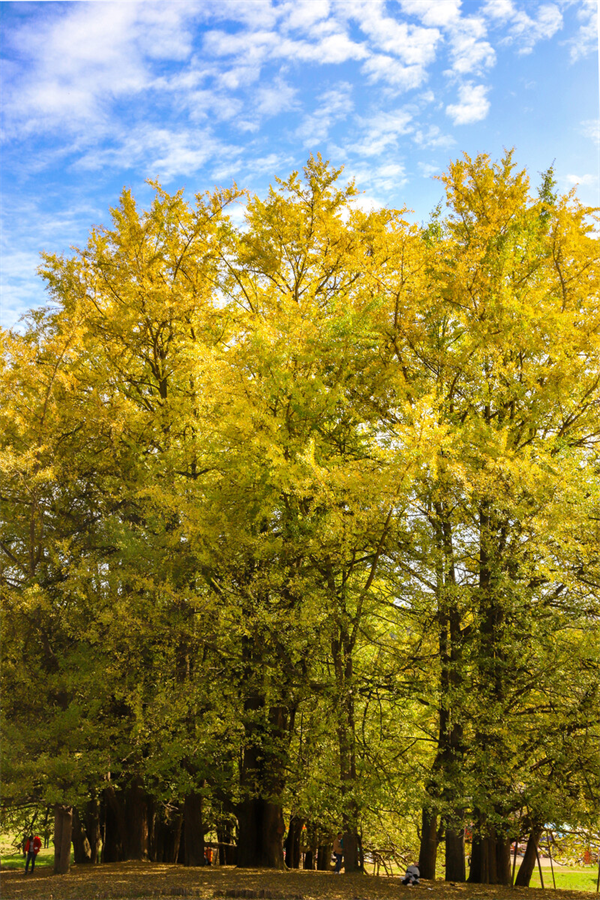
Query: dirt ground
[{"x": 150, "y": 880}]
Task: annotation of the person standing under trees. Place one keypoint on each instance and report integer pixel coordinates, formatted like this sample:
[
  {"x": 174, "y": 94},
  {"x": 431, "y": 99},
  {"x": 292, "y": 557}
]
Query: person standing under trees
[
  {"x": 32, "y": 848},
  {"x": 338, "y": 852}
]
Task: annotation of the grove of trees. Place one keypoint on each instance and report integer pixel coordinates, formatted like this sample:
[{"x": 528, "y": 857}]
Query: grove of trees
[{"x": 300, "y": 528}]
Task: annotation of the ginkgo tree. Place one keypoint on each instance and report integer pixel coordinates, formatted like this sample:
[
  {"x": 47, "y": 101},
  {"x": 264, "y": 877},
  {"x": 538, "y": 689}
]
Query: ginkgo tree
[{"x": 284, "y": 508}]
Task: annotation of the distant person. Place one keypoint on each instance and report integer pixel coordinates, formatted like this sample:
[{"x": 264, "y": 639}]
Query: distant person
[
  {"x": 338, "y": 852},
  {"x": 32, "y": 848},
  {"x": 412, "y": 875}
]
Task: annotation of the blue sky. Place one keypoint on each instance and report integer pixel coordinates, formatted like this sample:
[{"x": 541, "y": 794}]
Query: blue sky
[{"x": 100, "y": 95}]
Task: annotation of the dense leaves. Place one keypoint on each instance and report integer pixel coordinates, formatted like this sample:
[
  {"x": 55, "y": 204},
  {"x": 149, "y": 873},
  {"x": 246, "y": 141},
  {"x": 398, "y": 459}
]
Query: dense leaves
[{"x": 302, "y": 518}]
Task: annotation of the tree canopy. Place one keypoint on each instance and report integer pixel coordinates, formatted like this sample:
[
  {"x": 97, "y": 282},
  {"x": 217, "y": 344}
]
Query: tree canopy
[{"x": 299, "y": 527}]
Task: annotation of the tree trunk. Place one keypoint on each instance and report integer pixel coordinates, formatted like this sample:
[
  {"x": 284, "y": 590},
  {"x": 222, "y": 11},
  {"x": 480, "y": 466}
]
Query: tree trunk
[
  {"x": 490, "y": 859},
  {"x": 261, "y": 834},
  {"x": 82, "y": 851},
  {"x": 136, "y": 814},
  {"x": 528, "y": 865},
  {"x": 324, "y": 857},
  {"x": 475, "y": 867},
  {"x": 292, "y": 843},
  {"x": 115, "y": 830},
  {"x": 92, "y": 828},
  {"x": 455, "y": 854},
  {"x": 503, "y": 872},
  {"x": 63, "y": 826},
  {"x": 351, "y": 860},
  {"x": 342, "y": 650},
  {"x": 193, "y": 829},
  {"x": 483, "y": 858},
  {"x": 260, "y": 820},
  {"x": 428, "y": 849}
]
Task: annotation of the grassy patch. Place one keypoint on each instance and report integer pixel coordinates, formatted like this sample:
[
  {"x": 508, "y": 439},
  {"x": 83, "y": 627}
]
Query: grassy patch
[
  {"x": 567, "y": 879},
  {"x": 11, "y": 858}
]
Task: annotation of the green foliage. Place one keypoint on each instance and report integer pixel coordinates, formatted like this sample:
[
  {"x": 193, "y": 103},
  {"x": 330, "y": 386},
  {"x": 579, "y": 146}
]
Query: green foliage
[{"x": 308, "y": 510}]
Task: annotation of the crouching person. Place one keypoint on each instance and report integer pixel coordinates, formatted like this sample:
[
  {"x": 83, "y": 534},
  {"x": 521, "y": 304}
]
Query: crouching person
[{"x": 412, "y": 875}]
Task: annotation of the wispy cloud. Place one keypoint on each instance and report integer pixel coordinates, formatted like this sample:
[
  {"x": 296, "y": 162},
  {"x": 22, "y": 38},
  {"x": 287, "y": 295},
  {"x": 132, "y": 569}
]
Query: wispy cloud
[
  {"x": 432, "y": 137},
  {"x": 383, "y": 68},
  {"x": 335, "y": 105},
  {"x": 591, "y": 129},
  {"x": 581, "y": 179},
  {"x": 75, "y": 61},
  {"x": 586, "y": 40},
  {"x": 381, "y": 132},
  {"x": 160, "y": 152},
  {"x": 523, "y": 28}
]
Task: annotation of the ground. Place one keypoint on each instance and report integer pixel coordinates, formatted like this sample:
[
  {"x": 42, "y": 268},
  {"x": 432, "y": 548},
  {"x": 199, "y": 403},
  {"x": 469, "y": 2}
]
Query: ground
[{"x": 151, "y": 880}]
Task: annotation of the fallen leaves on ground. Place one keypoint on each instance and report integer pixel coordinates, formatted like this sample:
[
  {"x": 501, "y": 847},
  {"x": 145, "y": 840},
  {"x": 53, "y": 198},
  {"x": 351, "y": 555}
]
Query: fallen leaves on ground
[{"x": 151, "y": 880}]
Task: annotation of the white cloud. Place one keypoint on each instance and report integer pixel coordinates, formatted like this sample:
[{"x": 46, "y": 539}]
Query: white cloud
[
  {"x": 376, "y": 181},
  {"x": 251, "y": 47},
  {"x": 159, "y": 152},
  {"x": 334, "y": 106},
  {"x": 303, "y": 15},
  {"x": 432, "y": 137},
  {"x": 581, "y": 179},
  {"x": 381, "y": 131},
  {"x": 414, "y": 45},
  {"x": 392, "y": 71},
  {"x": 586, "y": 40},
  {"x": 258, "y": 46},
  {"x": 365, "y": 203},
  {"x": 591, "y": 129},
  {"x": 427, "y": 170},
  {"x": 437, "y": 13},
  {"x": 76, "y": 60},
  {"x": 524, "y": 29},
  {"x": 473, "y": 105},
  {"x": 498, "y": 9},
  {"x": 272, "y": 99},
  {"x": 527, "y": 31},
  {"x": 258, "y": 14},
  {"x": 469, "y": 51}
]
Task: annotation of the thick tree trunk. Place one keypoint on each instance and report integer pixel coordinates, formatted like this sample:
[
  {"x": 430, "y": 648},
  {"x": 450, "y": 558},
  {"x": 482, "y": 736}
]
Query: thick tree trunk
[
  {"x": 428, "y": 849},
  {"x": 475, "y": 867},
  {"x": 193, "y": 829},
  {"x": 136, "y": 815},
  {"x": 63, "y": 826},
  {"x": 351, "y": 844},
  {"x": 292, "y": 843},
  {"x": 528, "y": 865},
  {"x": 261, "y": 831},
  {"x": 490, "y": 859},
  {"x": 455, "y": 854},
  {"x": 503, "y": 872}
]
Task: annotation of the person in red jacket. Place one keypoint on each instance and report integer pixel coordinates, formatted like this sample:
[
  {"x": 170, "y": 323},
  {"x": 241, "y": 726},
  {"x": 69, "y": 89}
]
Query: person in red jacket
[{"x": 32, "y": 848}]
